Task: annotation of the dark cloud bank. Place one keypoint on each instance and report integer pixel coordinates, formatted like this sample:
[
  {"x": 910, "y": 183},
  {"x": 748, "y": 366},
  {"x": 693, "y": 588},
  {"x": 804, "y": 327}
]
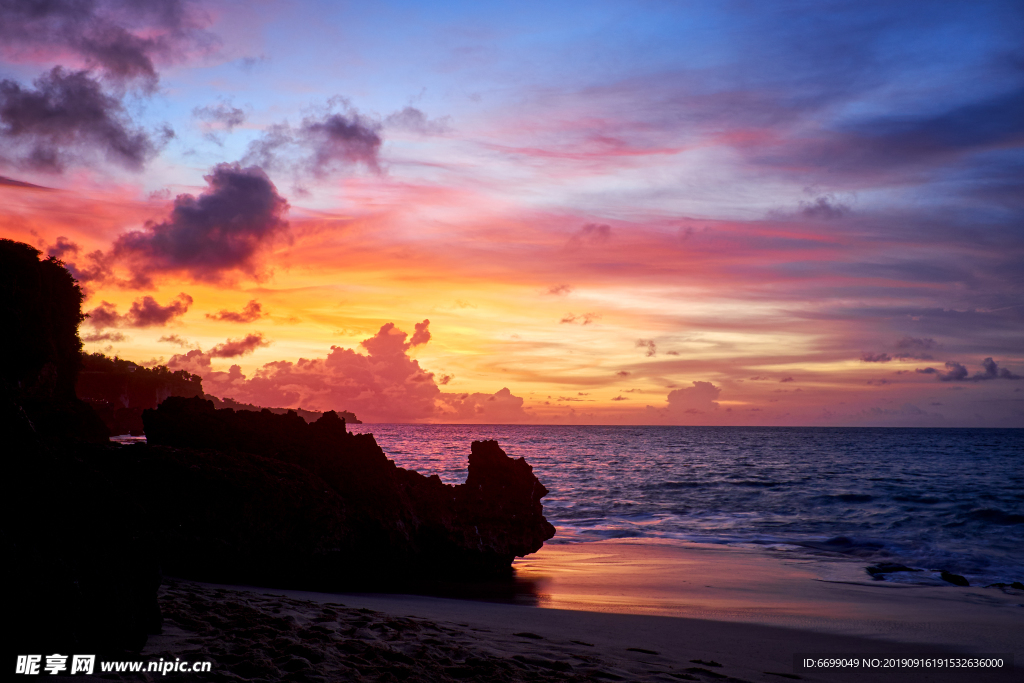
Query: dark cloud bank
[
  {"x": 252, "y": 311},
  {"x": 956, "y": 372},
  {"x": 225, "y": 228},
  {"x": 73, "y": 115},
  {"x": 320, "y": 145},
  {"x": 67, "y": 118},
  {"x": 121, "y": 38},
  {"x": 144, "y": 312}
]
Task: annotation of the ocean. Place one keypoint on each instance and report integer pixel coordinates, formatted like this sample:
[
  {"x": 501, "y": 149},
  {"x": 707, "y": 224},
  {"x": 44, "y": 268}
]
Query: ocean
[{"x": 932, "y": 499}]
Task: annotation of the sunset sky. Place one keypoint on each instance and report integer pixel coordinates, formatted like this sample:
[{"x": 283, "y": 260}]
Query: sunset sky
[{"x": 697, "y": 213}]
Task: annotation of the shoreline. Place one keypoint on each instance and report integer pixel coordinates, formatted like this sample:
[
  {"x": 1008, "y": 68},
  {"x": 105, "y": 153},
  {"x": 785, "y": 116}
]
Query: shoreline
[
  {"x": 626, "y": 611},
  {"x": 770, "y": 588}
]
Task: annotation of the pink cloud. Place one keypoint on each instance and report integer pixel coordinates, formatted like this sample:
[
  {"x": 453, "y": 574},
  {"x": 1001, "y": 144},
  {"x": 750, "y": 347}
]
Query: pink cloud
[{"x": 382, "y": 385}]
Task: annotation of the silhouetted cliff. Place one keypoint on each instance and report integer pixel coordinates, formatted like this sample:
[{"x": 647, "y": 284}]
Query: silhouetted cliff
[
  {"x": 77, "y": 554},
  {"x": 119, "y": 390}
]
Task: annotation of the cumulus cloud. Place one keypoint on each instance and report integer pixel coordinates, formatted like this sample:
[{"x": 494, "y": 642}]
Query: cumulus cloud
[
  {"x": 175, "y": 339},
  {"x": 497, "y": 408},
  {"x": 144, "y": 312},
  {"x": 62, "y": 247},
  {"x": 825, "y": 207},
  {"x": 421, "y": 335},
  {"x": 648, "y": 345},
  {"x": 383, "y": 384},
  {"x": 121, "y": 39},
  {"x": 252, "y": 311},
  {"x": 97, "y": 267},
  {"x": 198, "y": 361},
  {"x": 225, "y": 228},
  {"x": 907, "y": 348},
  {"x": 341, "y": 139},
  {"x": 218, "y": 120},
  {"x": 414, "y": 120},
  {"x": 914, "y": 348},
  {"x": 699, "y": 398},
  {"x": 956, "y": 372},
  {"x": 320, "y": 146},
  {"x": 195, "y": 361},
  {"x": 224, "y": 114},
  {"x": 239, "y": 347},
  {"x": 68, "y": 118}
]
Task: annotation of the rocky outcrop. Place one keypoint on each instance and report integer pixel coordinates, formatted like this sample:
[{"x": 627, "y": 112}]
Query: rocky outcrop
[
  {"x": 378, "y": 520},
  {"x": 119, "y": 390},
  {"x": 78, "y": 554}
]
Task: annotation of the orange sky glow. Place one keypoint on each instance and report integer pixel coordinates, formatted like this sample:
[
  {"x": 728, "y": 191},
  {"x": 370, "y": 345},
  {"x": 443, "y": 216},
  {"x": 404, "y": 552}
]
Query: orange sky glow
[{"x": 687, "y": 238}]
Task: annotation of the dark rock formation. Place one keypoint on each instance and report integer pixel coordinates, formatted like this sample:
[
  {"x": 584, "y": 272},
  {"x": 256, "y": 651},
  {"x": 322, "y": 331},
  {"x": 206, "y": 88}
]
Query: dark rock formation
[
  {"x": 78, "y": 555},
  {"x": 378, "y": 520},
  {"x": 119, "y": 390},
  {"x": 954, "y": 579}
]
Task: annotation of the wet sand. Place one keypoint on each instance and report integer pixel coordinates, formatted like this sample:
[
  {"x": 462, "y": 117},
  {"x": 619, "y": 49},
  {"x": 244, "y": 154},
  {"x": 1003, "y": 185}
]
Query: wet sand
[
  {"x": 600, "y": 611},
  {"x": 778, "y": 588}
]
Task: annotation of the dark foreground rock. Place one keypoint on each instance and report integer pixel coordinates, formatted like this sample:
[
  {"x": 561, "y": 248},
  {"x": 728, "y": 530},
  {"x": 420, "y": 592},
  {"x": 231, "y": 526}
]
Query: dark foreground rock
[
  {"x": 79, "y": 557},
  {"x": 265, "y": 497},
  {"x": 955, "y": 579}
]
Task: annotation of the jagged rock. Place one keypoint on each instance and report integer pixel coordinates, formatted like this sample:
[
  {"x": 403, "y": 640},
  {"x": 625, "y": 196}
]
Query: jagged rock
[
  {"x": 385, "y": 521},
  {"x": 954, "y": 579}
]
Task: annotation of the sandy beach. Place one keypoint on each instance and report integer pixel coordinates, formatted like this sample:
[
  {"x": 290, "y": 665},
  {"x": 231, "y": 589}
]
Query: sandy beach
[{"x": 599, "y": 611}]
